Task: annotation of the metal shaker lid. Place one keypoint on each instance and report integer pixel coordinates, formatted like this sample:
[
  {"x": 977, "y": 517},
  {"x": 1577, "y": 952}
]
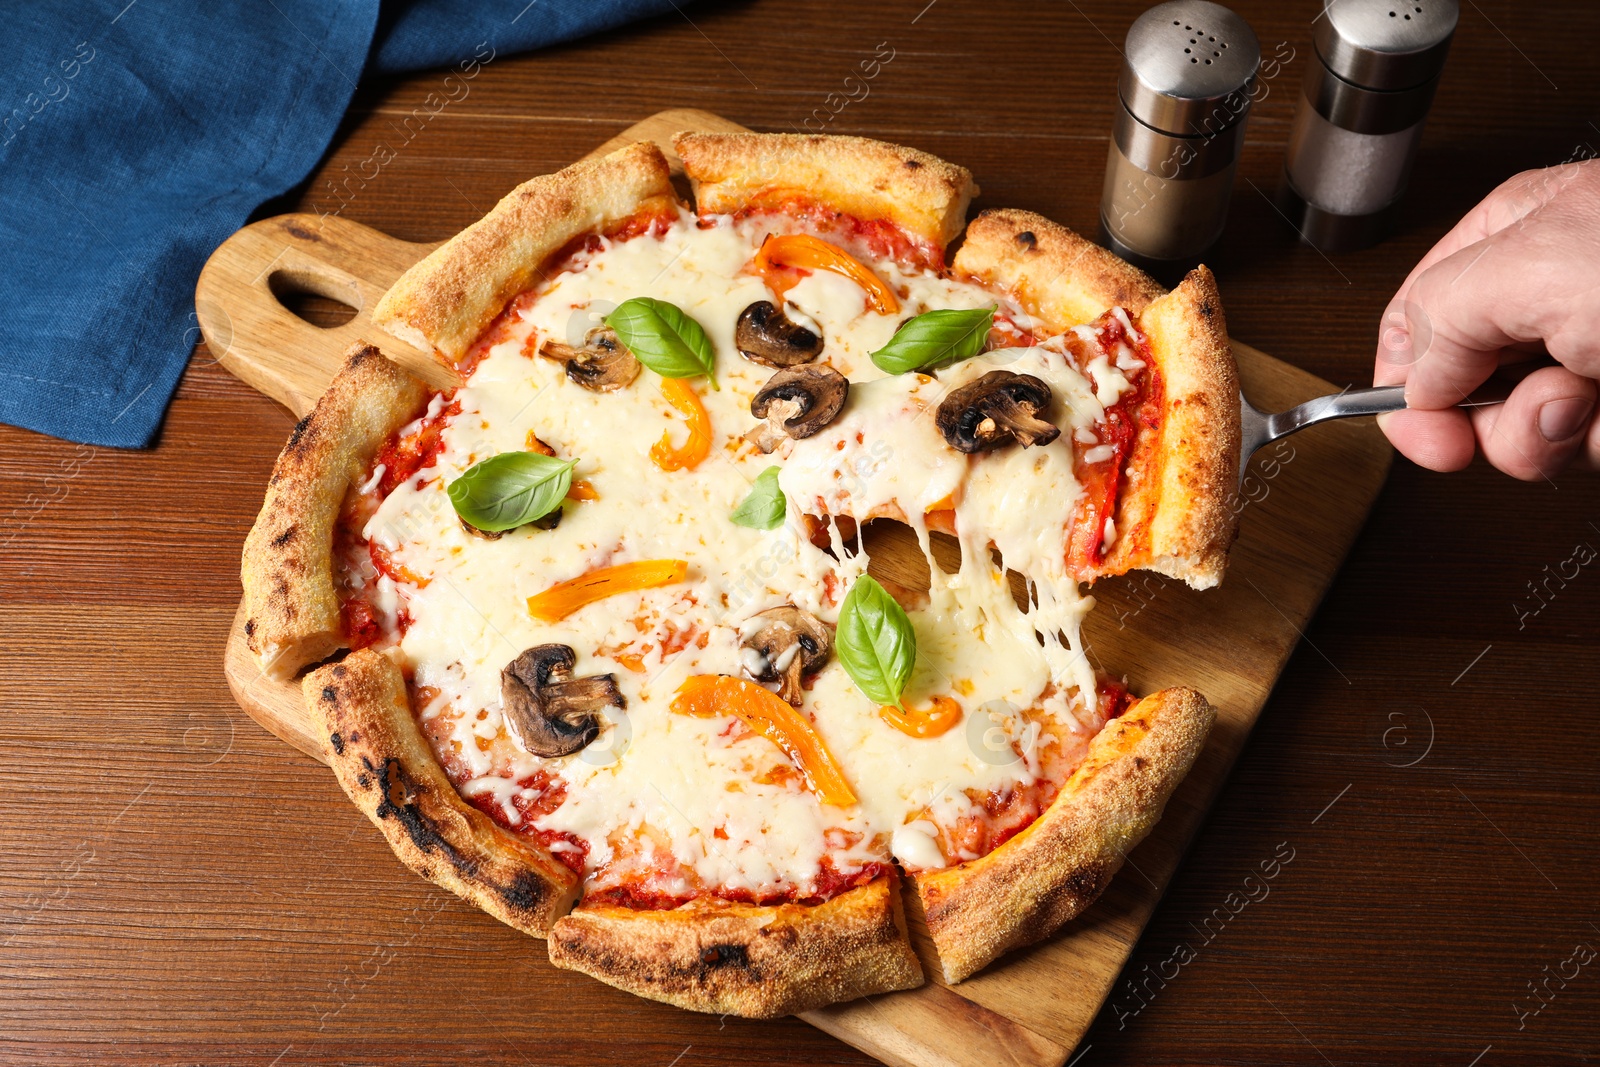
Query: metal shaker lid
[
  {"x": 1385, "y": 44},
  {"x": 1188, "y": 66}
]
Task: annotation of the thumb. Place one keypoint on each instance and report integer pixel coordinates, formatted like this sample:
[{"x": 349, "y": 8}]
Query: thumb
[{"x": 1542, "y": 426}]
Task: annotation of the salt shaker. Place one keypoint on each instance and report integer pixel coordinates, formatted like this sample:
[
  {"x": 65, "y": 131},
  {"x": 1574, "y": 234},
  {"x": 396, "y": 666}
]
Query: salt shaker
[
  {"x": 1366, "y": 95},
  {"x": 1187, "y": 76}
]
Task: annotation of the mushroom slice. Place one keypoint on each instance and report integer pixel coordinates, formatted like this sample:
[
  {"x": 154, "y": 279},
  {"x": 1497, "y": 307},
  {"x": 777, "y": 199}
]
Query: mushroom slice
[
  {"x": 486, "y": 535},
  {"x": 995, "y": 409},
  {"x": 549, "y": 712},
  {"x": 765, "y": 335},
  {"x": 602, "y": 365},
  {"x": 781, "y": 645},
  {"x": 797, "y": 402}
]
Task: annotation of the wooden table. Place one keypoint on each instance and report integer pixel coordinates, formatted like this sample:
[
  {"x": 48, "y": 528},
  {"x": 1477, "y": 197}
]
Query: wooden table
[{"x": 176, "y": 886}]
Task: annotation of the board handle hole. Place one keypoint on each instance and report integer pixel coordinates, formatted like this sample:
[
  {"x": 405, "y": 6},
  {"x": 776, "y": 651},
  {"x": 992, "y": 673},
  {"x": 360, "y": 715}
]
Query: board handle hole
[{"x": 323, "y": 302}]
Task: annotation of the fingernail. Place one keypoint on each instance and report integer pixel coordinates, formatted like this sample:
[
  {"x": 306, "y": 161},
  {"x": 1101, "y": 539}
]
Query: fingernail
[{"x": 1560, "y": 419}]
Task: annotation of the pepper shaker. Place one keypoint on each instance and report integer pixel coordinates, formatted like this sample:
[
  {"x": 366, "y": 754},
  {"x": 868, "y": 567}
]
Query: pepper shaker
[
  {"x": 1365, "y": 99},
  {"x": 1188, "y": 73}
]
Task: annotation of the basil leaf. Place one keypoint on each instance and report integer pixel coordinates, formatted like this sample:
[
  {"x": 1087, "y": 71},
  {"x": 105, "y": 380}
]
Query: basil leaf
[
  {"x": 765, "y": 507},
  {"x": 876, "y": 645},
  {"x": 664, "y": 338},
  {"x": 513, "y": 488},
  {"x": 935, "y": 338}
]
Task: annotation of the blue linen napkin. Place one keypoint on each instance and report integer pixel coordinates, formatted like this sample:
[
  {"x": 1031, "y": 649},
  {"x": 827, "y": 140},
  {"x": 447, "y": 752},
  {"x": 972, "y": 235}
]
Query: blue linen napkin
[{"x": 135, "y": 137}]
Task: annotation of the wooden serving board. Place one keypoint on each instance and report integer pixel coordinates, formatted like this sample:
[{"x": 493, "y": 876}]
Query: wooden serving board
[{"x": 1304, "y": 504}]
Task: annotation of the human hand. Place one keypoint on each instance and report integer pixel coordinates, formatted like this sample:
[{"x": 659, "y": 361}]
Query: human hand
[{"x": 1516, "y": 279}]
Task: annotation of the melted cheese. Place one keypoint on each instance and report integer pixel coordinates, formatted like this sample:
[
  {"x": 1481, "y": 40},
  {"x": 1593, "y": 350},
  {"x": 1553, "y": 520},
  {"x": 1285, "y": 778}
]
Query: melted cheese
[{"x": 722, "y": 802}]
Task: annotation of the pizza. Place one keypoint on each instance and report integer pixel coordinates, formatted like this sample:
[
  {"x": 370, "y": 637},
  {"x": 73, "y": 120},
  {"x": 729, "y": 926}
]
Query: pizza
[{"x": 591, "y": 637}]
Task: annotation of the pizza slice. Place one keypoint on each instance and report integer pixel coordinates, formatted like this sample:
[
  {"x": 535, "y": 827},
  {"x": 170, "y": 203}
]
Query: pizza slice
[
  {"x": 1161, "y": 499},
  {"x": 616, "y": 672}
]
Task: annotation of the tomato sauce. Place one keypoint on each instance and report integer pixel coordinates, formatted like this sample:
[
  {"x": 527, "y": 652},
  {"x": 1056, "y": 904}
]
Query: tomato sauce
[
  {"x": 402, "y": 457},
  {"x": 359, "y": 622},
  {"x": 1136, "y": 409},
  {"x": 1114, "y": 698},
  {"x": 549, "y": 793},
  {"x": 1004, "y": 813},
  {"x": 384, "y": 564},
  {"x": 1005, "y": 333},
  {"x": 358, "y": 562}
]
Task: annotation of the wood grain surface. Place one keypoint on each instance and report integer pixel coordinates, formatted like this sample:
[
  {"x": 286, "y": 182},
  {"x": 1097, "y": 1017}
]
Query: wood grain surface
[
  {"x": 1150, "y": 630},
  {"x": 180, "y": 887}
]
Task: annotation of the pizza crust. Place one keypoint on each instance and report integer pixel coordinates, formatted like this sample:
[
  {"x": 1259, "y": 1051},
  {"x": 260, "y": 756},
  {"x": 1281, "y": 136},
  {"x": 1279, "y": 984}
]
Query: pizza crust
[
  {"x": 870, "y": 180},
  {"x": 1183, "y": 475},
  {"x": 444, "y": 303},
  {"x": 1026, "y": 889},
  {"x": 1057, "y": 275},
  {"x": 292, "y": 612},
  {"x": 362, "y": 713},
  {"x": 1175, "y": 511},
  {"x": 743, "y": 959}
]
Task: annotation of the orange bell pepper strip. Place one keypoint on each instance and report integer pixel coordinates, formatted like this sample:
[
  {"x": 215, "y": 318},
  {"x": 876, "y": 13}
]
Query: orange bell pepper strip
[
  {"x": 563, "y": 598},
  {"x": 769, "y": 715},
  {"x": 917, "y": 722},
  {"x": 681, "y": 395},
  {"x": 813, "y": 253}
]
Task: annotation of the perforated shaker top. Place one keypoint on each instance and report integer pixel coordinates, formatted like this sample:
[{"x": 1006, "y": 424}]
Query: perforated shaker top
[
  {"x": 1188, "y": 65},
  {"x": 1385, "y": 44}
]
